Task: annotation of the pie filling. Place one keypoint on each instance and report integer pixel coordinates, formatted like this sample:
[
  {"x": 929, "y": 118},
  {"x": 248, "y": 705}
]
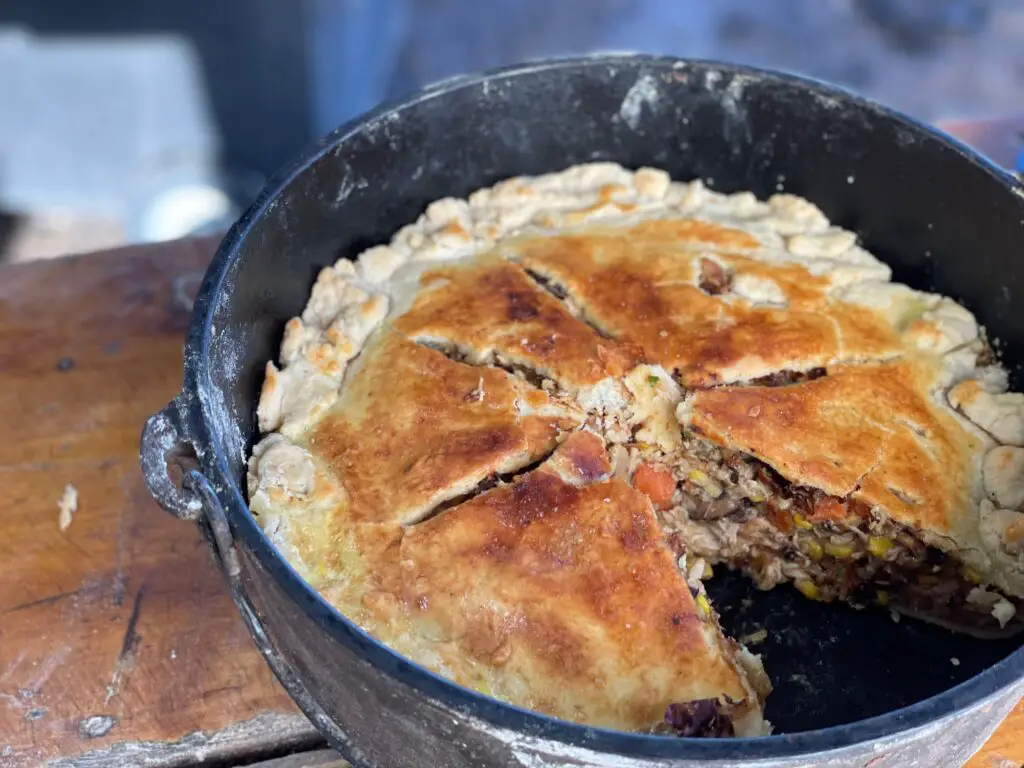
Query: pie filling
[
  {"x": 711, "y": 718},
  {"x": 705, "y": 718},
  {"x": 733, "y": 509}
]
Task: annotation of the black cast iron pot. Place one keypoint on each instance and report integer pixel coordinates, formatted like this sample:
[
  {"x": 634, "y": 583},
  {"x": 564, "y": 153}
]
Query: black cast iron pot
[{"x": 853, "y": 688}]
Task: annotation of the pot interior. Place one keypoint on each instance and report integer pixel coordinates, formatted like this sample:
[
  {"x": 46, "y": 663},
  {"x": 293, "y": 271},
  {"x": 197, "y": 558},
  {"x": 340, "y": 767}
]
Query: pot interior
[{"x": 941, "y": 219}]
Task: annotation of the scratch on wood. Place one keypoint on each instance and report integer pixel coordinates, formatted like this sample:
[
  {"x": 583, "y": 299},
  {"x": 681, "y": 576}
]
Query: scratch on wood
[
  {"x": 131, "y": 637},
  {"x": 29, "y": 466},
  {"x": 126, "y": 657},
  {"x": 221, "y": 689},
  {"x": 13, "y": 665},
  {"x": 119, "y": 576},
  {"x": 43, "y": 601},
  {"x": 123, "y": 534},
  {"x": 264, "y": 734},
  {"x": 12, "y": 701},
  {"x": 119, "y": 587},
  {"x": 47, "y": 668},
  {"x": 68, "y": 542}
]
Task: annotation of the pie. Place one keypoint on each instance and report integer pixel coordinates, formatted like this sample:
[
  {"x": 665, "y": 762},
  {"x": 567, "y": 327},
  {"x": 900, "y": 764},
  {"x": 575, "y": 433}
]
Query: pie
[{"x": 512, "y": 443}]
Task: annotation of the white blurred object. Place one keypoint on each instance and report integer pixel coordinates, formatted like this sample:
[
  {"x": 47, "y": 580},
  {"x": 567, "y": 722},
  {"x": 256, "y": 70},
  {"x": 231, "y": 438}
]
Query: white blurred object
[{"x": 184, "y": 210}]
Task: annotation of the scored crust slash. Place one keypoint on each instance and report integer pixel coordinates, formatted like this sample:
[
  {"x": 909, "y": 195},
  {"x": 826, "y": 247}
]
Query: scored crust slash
[{"x": 512, "y": 443}]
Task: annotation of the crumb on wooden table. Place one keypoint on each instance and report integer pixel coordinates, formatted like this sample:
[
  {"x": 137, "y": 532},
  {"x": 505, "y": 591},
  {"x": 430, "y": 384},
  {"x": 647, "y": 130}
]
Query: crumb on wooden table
[{"x": 68, "y": 505}]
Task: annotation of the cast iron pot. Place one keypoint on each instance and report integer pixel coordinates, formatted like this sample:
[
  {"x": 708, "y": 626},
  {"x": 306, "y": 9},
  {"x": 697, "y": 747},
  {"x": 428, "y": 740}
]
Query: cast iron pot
[{"x": 853, "y": 688}]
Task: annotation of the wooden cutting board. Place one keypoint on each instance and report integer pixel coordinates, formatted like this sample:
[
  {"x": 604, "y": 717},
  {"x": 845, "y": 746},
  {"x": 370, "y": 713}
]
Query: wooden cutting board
[{"x": 119, "y": 644}]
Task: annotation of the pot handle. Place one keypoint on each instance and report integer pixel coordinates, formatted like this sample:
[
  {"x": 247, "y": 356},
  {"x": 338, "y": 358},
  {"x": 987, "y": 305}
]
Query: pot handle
[
  {"x": 165, "y": 443},
  {"x": 215, "y": 528}
]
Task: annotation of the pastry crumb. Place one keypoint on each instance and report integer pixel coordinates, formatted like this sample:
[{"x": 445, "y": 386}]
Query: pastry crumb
[
  {"x": 68, "y": 505},
  {"x": 754, "y": 638},
  {"x": 1003, "y": 611}
]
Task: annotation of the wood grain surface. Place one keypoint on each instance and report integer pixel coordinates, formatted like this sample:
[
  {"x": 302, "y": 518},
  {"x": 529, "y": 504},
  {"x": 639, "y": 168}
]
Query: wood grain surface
[
  {"x": 118, "y": 630},
  {"x": 119, "y": 644}
]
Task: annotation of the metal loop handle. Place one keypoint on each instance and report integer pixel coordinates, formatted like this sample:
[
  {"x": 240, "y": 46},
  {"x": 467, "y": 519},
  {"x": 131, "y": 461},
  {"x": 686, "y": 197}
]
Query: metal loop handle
[
  {"x": 215, "y": 527},
  {"x": 164, "y": 440}
]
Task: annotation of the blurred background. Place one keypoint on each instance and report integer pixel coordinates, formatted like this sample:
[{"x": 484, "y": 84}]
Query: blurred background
[{"x": 153, "y": 119}]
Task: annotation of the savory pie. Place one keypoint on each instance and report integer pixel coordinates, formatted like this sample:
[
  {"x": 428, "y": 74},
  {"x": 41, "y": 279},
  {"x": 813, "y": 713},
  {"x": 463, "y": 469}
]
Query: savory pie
[{"x": 511, "y": 443}]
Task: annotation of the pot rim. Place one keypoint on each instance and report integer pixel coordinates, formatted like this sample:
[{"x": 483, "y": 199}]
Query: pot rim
[{"x": 517, "y": 721}]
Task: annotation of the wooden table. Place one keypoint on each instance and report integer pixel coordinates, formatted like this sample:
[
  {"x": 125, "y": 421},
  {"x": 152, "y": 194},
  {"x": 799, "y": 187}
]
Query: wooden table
[
  {"x": 117, "y": 636},
  {"x": 119, "y": 644}
]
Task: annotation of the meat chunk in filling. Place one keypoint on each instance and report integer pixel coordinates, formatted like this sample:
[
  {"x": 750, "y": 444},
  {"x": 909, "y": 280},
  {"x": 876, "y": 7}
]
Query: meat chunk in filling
[{"x": 703, "y": 717}]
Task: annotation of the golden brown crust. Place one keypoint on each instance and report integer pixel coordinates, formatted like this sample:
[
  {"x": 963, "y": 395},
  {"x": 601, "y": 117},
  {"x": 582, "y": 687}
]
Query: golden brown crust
[
  {"x": 490, "y": 307},
  {"x": 643, "y": 285},
  {"x": 413, "y": 428},
  {"x": 558, "y": 592},
  {"x": 868, "y": 431}
]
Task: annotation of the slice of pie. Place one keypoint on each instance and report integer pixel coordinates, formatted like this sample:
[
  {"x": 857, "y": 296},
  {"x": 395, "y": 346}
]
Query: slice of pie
[{"x": 511, "y": 443}]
